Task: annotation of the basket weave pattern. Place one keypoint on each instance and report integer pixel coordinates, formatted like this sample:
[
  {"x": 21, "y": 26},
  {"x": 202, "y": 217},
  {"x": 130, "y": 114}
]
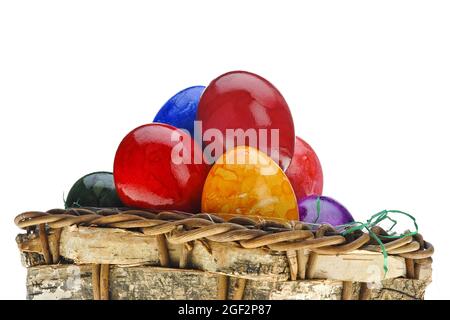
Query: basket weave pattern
[{"x": 290, "y": 238}]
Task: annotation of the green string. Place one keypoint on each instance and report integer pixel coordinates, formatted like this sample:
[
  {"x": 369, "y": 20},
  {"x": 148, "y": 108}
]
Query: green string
[
  {"x": 76, "y": 204},
  {"x": 317, "y": 209},
  {"x": 375, "y": 220}
]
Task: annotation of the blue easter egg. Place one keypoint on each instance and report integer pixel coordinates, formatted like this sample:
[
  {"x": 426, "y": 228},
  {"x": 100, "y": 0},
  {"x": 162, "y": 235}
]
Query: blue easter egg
[{"x": 180, "y": 111}]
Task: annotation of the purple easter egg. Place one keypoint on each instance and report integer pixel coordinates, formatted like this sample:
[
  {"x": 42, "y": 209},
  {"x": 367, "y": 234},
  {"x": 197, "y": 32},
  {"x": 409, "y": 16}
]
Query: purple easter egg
[{"x": 320, "y": 209}]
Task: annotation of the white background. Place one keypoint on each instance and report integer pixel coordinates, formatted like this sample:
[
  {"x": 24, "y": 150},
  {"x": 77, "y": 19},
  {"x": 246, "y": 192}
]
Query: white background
[{"x": 367, "y": 82}]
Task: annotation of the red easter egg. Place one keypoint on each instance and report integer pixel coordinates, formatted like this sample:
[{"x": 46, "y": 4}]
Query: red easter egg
[
  {"x": 243, "y": 100},
  {"x": 155, "y": 168},
  {"x": 305, "y": 171}
]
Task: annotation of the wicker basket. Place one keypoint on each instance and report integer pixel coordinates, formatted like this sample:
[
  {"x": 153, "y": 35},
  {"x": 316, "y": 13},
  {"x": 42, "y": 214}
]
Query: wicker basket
[{"x": 90, "y": 253}]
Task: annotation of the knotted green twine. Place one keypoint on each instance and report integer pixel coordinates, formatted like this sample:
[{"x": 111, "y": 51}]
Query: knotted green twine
[{"x": 374, "y": 221}]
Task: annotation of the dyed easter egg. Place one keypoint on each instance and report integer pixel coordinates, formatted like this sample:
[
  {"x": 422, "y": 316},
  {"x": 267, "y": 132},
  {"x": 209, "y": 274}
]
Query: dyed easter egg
[
  {"x": 321, "y": 209},
  {"x": 253, "y": 110},
  {"x": 246, "y": 181},
  {"x": 96, "y": 189},
  {"x": 305, "y": 171},
  {"x": 158, "y": 166},
  {"x": 180, "y": 110}
]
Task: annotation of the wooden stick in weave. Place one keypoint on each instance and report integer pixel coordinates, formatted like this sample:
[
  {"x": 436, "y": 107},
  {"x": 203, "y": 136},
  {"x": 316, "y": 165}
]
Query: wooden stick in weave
[
  {"x": 55, "y": 249},
  {"x": 302, "y": 260},
  {"x": 410, "y": 268},
  {"x": 293, "y": 264},
  {"x": 364, "y": 291},
  {"x": 104, "y": 282},
  {"x": 96, "y": 281},
  {"x": 44, "y": 243},
  {"x": 163, "y": 251},
  {"x": 184, "y": 257},
  {"x": 222, "y": 287},
  {"x": 312, "y": 263},
  {"x": 347, "y": 289},
  {"x": 239, "y": 289}
]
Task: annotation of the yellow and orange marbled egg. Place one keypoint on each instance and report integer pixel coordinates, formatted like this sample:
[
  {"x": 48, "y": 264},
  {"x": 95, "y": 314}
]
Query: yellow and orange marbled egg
[{"x": 246, "y": 181}]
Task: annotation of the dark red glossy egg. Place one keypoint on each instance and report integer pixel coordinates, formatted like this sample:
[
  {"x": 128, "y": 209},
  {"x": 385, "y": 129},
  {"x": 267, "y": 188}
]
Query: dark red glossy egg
[
  {"x": 155, "y": 167},
  {"x": 305, "y": 172},
  {"x": 243, "y": 100}
]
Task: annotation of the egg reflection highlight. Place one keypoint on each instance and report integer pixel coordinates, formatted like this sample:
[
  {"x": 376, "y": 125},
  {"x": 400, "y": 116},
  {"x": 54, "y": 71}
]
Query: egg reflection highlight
[{"x": 246, "y": 181}]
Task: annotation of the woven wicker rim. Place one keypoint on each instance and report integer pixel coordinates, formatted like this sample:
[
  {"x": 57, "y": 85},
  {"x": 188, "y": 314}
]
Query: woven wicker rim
[{"x": 180, "y": 227}]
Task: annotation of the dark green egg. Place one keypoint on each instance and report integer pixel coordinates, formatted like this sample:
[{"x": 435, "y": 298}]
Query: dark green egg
[{"x": 96, "y": 189}]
